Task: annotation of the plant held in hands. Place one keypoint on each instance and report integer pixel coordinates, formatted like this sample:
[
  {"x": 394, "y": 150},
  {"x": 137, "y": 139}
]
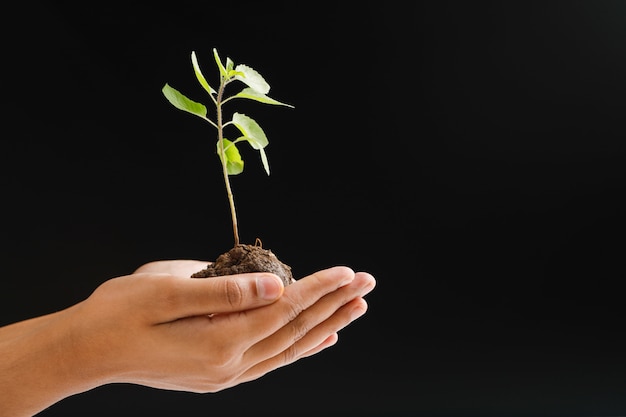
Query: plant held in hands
[{"x": 242, "y": 257}]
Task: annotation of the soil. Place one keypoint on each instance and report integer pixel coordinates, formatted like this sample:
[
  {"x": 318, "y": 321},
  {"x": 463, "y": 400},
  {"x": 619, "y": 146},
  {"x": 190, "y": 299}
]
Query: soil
[{"x": 244, "y": 258}]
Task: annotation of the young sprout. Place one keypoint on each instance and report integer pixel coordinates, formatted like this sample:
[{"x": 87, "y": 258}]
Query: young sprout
[{"x": 256, "y": 89}]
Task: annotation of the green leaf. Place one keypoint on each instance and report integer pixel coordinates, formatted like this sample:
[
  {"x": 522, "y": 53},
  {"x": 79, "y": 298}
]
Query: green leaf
[
  {"x": 266, "y": 164},
  {"x": 199, "y": 76},
  {"x": 229, "y": 66},
  {"x": 252, "y": 79},
  {"x": 234, "y": 73},
  {"x": 218, "y": 61},
  {"x": 251, "y": 130},
  {"x": 255, "y": 95},
  {"x": 234, "y": 163},
  {"x": 181, "y": 102}
]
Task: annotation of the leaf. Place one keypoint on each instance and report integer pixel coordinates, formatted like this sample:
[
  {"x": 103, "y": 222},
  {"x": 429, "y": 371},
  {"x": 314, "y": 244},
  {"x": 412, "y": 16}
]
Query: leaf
[
  {"x": 223, "y": 71},
  {"x": 255, "y": 95},
  {"x": 181, "y": 102},
  {"x": 252, "y": 79},
  {"x": 266, "y": 164},
  {"x": 234, "y": 163},
  {"x": 199, "y": 76},
  {"x": 229, "y": 66},
  {"x": 234, "y": 73},
  {"x": 251, "y": 130}
]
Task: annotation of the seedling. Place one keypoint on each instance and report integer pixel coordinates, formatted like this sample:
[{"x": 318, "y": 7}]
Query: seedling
[{"x": 256, "y": 88}]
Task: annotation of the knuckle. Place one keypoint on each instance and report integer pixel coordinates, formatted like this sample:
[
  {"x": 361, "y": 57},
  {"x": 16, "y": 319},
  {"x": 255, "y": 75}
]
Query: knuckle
[
  {"x": 221, "y": 380},
  {"x": 221, "y": 360},
  {"x": 234, "y": 292},
  {"x": 299, "y": 329},
  {"x": 220, "y": 371},
  {"x": 295, "y": 306},
  {"x": 224, "y": 357},
  {"x": 290, "y": 354},
  {"x": 170, "y": 293},
  {"x": 153, "y": 265}
]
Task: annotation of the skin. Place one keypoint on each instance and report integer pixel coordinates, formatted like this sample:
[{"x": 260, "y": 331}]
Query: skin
[{"x": 159, "y": 328}]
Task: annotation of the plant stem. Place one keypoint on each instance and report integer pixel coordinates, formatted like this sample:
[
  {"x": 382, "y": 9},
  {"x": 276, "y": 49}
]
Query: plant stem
[{"x": 220, "y": 140}]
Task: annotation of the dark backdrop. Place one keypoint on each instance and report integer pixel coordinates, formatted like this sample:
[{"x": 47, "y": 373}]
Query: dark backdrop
[{"x": 468, "y": 154}]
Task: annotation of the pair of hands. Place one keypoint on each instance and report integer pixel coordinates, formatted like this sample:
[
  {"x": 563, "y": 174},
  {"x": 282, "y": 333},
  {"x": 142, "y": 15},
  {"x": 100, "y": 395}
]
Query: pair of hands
[
  {"x": 204, "y": 335},
  {"x": 159, "y": 328}
]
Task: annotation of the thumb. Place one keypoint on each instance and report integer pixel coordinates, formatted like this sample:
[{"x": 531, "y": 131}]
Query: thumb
[{"x": 224, "y": 294}]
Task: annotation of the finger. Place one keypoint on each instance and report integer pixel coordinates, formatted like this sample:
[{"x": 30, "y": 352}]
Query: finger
[
  {"x": 182, "y": 267},
  {"x": 318, "y": 339},
  {"x": 331, "y": 313},
  {"x": 259, "y": 324},
  {"x": 328, "y": 342},
  {"x": 181, "y": 297},
  {"x": 261, "y": 369}
]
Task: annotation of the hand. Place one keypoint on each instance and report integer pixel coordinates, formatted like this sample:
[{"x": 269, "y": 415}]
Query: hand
[
  {"x": 204, "y": 335},
  {"x": 160, "y": 328}
]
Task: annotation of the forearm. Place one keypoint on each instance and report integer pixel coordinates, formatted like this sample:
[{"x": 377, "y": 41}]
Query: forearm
[
  {"x": 20, "y": 328},
  {"x": 36, "y": 358}
]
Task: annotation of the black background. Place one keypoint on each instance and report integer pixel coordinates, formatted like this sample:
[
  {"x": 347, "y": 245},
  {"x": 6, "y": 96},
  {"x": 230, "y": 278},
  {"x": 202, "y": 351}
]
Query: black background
[{"x": 470, "y": 155}]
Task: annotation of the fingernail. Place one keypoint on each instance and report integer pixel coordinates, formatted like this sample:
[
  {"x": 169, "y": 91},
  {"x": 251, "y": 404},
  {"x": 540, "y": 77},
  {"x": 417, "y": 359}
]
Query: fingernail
[
  {"x": 269, "y": 287},
  {"x": 348, "y": 278},
  {"x": 368, "y": 287},
  {"x": 357, "y": 312}
]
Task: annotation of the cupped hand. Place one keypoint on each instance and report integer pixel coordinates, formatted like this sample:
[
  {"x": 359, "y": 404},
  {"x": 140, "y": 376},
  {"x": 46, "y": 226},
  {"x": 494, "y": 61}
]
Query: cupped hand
[{"x": 157, "y": 327}]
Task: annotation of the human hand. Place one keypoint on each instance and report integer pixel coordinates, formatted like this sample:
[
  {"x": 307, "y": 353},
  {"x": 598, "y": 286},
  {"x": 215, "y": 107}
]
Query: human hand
[{"x": 159, "y": 328}]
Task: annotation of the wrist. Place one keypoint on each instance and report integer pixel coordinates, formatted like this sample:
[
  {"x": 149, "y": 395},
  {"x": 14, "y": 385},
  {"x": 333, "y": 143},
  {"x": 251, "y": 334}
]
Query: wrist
[{"x": 81, "y": 351}]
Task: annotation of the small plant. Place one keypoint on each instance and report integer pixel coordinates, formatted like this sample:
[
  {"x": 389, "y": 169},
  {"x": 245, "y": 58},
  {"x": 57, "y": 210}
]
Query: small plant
[{"x": 256, "y": 88}]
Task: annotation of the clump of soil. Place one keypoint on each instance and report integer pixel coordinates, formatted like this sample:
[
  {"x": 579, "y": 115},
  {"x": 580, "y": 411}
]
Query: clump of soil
[{"x": 247, "y": 258}]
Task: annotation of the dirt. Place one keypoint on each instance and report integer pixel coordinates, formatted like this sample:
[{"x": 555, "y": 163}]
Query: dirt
[{"x": 245, "y": 258}]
